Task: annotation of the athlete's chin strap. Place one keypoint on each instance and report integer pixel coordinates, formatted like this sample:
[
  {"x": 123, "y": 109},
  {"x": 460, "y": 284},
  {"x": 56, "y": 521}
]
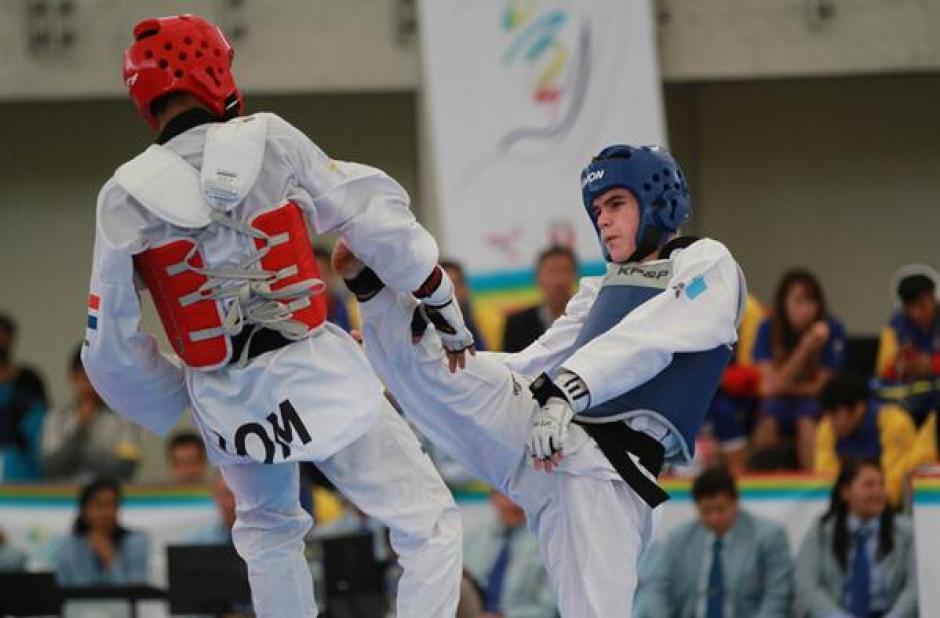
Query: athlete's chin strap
[
  {"x": 247, "y": 287},
  {"x": 650, "y": 243}
]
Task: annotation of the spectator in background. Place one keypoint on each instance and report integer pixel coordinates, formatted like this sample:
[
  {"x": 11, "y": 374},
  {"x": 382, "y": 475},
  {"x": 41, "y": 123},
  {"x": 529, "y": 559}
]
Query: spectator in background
[
  {"x": 798, "y": 349},
  {"x": 27, "y": 378},
  {"x": 462, "y": 293},
  {"x": 502, "y": 557},
  {"x": 101, "y": 552},
  {"x": 909, "y": 351},
  {"x": 22, "y": 408},
  {"x": 186, "y": 455},
  {"x": 85, "y": 439},
  {"x": 12, "y": 560},
  {"x": 218, "y": 532},
  {"x": 556, "y": 273},
  {"x": 856, "y": 426},
  {"x": 731, "y": 414},
  {"x": 726, "y": 564},
  {"x": 336, "y": 294},
  {"x": 858, "y": 559}
]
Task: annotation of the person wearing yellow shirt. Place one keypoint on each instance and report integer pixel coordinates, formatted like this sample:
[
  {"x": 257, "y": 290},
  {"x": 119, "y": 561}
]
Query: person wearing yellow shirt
[
  {"x": 732, "y": 411},
  {"x": 856, "y": 426},
  {"x": 909, "y": 350}
]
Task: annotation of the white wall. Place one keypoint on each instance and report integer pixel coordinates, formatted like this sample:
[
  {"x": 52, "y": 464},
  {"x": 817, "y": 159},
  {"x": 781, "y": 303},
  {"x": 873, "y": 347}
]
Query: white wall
[
  {"x": 296, "y": 46},
  {"x": 285, "y": 45},
  {"x": 744, "y": 39}
]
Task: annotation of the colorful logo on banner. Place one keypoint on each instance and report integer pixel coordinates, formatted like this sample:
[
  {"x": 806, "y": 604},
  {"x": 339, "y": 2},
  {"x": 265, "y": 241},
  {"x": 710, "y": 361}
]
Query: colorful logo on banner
[{"x": 558, "y": 63}]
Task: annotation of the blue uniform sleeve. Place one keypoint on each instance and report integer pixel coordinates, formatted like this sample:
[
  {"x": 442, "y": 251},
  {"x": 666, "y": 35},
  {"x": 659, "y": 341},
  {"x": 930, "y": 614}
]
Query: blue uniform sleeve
[
  {"x": 833, "y": 355},
  {"x": 763, "y": 350}
]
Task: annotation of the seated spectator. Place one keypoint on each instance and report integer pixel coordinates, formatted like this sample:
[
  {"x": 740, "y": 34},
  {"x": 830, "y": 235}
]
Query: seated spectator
[
  {"x": 858, "y": 559},
  {"x": 85, "y": 439},
  {"x": 726, "y": 563},
  {"x": 732, "y": 411},
  {"x": 856, "y": 426},
  {"x": 101, "y": 552},
  {"x": 502, "y": 557},
  {"x": 218, "y": 532},
  {"x": 27, "y": 378},
  {"x": 186, "y": 455},
  {"x": 12, "y": 560},
  {"x": 22, "y": 409},
  {"x": 556, "y": 273},
  {"x": 336, "y": 294},
  {"x": 798, "y": 348},
  {"x": 456, "y": 273},
  {"x": 909, "y": 350}
]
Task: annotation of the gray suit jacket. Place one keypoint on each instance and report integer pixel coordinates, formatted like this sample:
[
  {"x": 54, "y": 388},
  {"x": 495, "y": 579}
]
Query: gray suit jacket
[
  {"x": 527, "y": 592},
  {"x": 756, "y": 563},
  {"x": 820, "y": 581}
]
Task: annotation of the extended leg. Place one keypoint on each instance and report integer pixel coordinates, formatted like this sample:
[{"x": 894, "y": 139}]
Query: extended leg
[{"x": 479, "y": 416}]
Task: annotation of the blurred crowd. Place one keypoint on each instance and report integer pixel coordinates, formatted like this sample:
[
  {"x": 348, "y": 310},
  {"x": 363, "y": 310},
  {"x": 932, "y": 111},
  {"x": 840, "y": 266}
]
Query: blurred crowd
[{"x": 799, "y": 395}]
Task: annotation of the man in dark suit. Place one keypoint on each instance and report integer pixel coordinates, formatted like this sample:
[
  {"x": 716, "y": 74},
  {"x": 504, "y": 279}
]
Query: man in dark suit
[{"x": 556, "y": 273}]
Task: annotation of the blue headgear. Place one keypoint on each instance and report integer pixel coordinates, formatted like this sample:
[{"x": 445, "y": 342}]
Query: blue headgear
[{"x": 653, "y": 177}]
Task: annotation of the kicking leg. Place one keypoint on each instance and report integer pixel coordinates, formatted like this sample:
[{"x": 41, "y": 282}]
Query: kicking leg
[
  {"x": 479, "y": 416},
  {"x": 269, "y": 536},
  {"x": 386, "y": 475}
]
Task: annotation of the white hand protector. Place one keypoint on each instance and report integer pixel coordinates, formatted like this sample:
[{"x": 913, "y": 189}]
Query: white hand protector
[
  {"x": 558, "y": 401},
  {"x": 550, "y": 428},
  {"x": 442, "y": 310}
]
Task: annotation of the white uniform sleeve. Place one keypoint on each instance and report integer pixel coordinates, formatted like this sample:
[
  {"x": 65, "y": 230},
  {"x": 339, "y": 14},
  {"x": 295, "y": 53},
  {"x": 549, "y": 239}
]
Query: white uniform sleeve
[
  {"x": 546, "y": 352},
  {"x": 366, "y": 206},
  {"x": 699, "y": 311},
  {"x": 123, "y": 363}
]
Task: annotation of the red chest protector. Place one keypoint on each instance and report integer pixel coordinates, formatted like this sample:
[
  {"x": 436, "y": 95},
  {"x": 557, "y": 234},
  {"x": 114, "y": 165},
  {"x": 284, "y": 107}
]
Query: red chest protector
[{"x": 194, "y": 321}]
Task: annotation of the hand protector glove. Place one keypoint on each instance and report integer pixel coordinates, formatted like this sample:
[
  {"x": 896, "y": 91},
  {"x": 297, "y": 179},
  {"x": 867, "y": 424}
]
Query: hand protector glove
[
  {"x": 557, "y": 406},
  {"x": 442, "y": 310}
]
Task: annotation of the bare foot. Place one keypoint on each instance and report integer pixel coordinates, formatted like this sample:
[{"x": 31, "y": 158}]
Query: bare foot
[{"x": 345, "y": 262}]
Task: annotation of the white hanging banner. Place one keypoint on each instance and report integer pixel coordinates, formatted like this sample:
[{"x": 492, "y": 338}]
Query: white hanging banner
[{"x": 521, "y": 94}]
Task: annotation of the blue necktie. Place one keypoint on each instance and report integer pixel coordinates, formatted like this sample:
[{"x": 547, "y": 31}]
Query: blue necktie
[
  {"x": 494, "y": 581},
  {"x": 860, "y": 583},
  {"x": 716, "y": 584}
]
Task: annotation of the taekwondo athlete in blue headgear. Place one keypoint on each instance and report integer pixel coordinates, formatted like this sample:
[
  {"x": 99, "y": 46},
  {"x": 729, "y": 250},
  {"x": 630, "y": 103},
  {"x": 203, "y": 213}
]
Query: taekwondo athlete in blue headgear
[{"x": 616, "y": 387}]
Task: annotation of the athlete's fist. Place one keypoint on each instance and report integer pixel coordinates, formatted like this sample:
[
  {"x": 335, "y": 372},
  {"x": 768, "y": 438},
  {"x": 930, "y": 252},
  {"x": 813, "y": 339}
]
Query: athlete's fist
[{"x": 548, "y": 432}]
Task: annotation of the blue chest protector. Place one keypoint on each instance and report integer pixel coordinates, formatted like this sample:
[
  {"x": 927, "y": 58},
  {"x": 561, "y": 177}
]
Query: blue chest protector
[{"x": 682, "y": 392}]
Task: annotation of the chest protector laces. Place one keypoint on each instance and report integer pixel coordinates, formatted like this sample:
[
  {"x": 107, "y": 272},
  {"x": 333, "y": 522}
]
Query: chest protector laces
[{"x": 277, "y": 286}]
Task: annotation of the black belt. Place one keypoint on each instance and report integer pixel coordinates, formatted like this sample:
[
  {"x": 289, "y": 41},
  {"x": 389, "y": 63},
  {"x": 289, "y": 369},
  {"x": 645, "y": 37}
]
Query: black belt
[
  {"x": 617, "y": 441},
  {"x": 264, "y": 340}
]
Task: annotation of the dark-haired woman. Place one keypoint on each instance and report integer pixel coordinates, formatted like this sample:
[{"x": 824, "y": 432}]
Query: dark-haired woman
[
  {"x": 100, "y": 551},
  {"x": 857, "y": 561},
  {"x": 798, "y": 349}
]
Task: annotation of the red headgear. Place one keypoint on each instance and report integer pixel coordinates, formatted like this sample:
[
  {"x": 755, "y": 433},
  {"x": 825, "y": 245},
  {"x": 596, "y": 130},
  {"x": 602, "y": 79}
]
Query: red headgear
[{"x": 183, "y": 53}]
